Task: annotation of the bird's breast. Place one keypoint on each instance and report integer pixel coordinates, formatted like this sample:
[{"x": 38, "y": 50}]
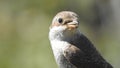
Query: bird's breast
[{"x": 58, "y": 48}]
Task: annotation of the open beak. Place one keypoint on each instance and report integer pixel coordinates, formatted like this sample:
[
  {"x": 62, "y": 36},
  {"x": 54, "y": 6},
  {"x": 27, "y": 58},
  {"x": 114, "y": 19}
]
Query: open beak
[{"x": 72, "y": 25}]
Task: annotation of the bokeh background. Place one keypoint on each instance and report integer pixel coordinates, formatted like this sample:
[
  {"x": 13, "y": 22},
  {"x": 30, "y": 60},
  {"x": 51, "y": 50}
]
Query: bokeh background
[{"x": 24, "y": 27}]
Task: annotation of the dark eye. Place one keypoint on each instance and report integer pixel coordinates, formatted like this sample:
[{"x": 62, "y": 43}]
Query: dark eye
[{"x": 60, "y": 20}]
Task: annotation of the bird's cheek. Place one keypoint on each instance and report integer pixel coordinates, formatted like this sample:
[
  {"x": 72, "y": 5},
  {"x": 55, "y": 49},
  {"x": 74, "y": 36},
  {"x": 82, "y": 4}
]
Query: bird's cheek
[{"x": 55, "y": 24}]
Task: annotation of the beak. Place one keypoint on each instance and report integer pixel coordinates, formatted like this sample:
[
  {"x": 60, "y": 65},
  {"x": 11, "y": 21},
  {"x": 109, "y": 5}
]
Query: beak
[{"x": 72, "y": 25}]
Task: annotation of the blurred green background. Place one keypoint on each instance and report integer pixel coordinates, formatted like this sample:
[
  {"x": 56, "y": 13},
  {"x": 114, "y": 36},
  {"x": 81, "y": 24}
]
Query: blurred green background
[{"x": 24, "y": 27}]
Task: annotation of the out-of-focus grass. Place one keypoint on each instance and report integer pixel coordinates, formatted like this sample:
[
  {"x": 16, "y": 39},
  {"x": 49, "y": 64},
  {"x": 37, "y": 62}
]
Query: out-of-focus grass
[{"x": 24, "y": 40}]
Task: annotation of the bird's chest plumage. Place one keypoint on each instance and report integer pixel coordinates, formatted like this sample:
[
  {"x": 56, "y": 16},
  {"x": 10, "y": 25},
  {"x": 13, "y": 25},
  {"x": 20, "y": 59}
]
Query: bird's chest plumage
[{"x": 58, "y": 50}]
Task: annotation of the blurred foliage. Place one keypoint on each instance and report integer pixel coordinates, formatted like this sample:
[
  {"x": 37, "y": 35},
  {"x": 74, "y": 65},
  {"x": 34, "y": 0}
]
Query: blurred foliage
[{"x": 24, "y": 27}]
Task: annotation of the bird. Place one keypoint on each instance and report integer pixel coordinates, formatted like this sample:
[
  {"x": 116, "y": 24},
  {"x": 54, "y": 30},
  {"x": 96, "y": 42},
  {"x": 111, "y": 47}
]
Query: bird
[{"x": 71, "y": 48}]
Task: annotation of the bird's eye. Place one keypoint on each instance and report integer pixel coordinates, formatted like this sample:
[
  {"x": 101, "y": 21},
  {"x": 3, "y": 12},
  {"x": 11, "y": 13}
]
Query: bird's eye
[{"x": 60, "y": 20}]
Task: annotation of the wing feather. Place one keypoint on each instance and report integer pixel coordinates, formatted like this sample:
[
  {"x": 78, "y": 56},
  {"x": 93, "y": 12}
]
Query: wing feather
[{"x": 82, "y": 54}]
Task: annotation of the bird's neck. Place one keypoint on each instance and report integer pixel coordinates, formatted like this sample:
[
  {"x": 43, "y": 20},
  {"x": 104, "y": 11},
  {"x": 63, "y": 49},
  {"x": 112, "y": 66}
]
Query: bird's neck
[{"x": 64, "y": 36}]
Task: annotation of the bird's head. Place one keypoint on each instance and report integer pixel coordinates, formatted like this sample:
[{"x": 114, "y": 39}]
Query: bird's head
[
  {"x": 65, "y": 19},
  {"x": 64, "y": 23}
]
